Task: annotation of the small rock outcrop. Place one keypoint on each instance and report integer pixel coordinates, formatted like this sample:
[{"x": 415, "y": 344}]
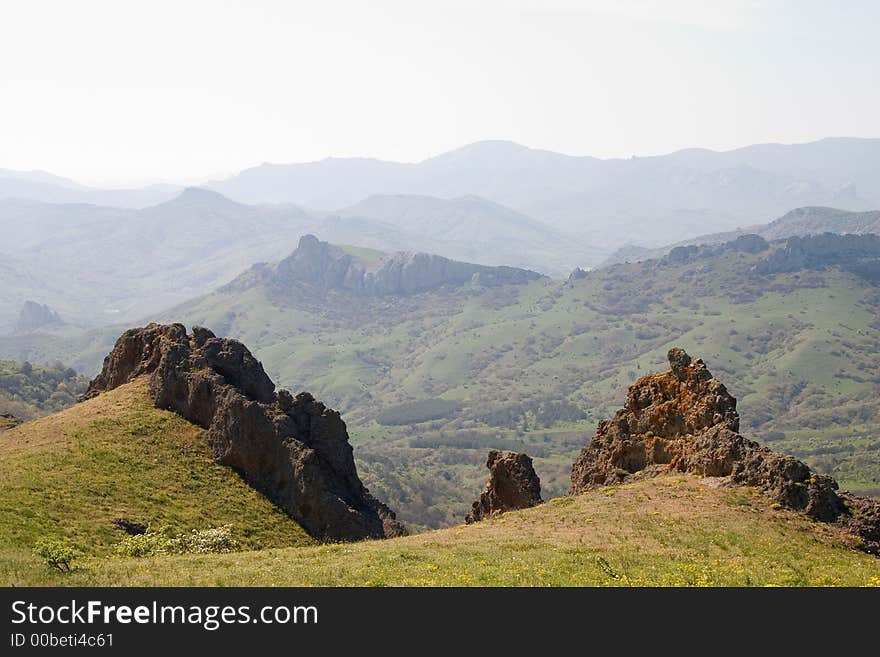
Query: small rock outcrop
[
  {"x": 8, "y": 420},
  {"x": 35, "y": 316},
  {"x": 130, "y": 527},
  {"x": 577, "y": 274},
  {"x": 748, "y": 243},
  {"x": 685, "y": 420},
  {"x": 512, "y": 484},
  {"x": 327, "y": 266},
  {"x": 291, "y": 448}
]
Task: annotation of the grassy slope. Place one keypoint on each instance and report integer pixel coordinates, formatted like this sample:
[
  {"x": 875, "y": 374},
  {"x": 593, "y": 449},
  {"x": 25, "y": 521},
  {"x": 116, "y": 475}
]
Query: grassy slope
[
  {"x": 72, "y": 473},
  {"x": 665, "y": 531}
]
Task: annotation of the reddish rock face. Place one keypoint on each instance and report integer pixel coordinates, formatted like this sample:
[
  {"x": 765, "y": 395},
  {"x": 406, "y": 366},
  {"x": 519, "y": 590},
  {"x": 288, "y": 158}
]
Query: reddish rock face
[
  {"x": 294, "y": 450},
  {"x": 512, "y": 484},
  {"x": 685, "y": 420},
  {"x": 660, "y": 411}
]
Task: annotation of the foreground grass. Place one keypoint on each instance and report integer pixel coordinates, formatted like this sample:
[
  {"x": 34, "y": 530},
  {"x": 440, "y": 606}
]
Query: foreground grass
[
  {"x": 70, "y": 474},
  {"x": 670, "y": 531}
]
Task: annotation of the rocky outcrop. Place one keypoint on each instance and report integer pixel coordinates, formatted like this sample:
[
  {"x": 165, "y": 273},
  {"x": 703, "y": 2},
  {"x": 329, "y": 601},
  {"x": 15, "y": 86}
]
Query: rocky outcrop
[
  {"x": 8, "y": 420},
  {"x": 130, "y": 527},
  {"x": 512, "y": 484},
  {"x": 859, "y": 254},
  {"x": 327, "y": 266},
  {"x": 748, "y": 243},
  {"x": 685, "y": 420},
  {"x": 35, "y": 316},
  {"x": 577, "y": 274},
  {"x": 291, "y": 448}
]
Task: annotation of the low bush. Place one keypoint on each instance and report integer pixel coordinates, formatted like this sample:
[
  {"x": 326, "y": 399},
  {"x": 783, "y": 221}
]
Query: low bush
[
  {"x": 58, "y": 553},
  {"x": 207, "y": 541}
]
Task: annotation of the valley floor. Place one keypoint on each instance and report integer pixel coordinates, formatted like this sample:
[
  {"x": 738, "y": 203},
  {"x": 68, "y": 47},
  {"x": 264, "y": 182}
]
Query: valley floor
[{"x": 671, "y": 530}]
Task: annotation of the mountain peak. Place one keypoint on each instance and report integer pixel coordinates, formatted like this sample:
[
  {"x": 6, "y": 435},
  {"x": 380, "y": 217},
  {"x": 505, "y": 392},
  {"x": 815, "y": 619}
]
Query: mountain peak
[
  {"x": 35, "y": 316},
  {"x": 199, "y": 196},
  {"x": 485, "y": 149}
]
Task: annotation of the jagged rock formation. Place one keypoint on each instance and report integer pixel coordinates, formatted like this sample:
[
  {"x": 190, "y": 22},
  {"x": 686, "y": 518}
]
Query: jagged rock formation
[
  {"x": 295, "y": 450},
  {"x": 859, "y": 254},
  {"x": 8, "y": 420},
  {"x": 577, "y": 274},
  {"x": 327, "y": 266},
  {"x": 512, "y": 484},
  {"x": 685, "y": 420},
  {"x": 35, "y": 316}
]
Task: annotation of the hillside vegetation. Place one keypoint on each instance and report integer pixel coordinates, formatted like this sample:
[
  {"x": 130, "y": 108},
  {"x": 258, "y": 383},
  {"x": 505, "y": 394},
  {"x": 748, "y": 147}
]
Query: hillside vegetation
[
  {"x": 28, "y": 391},
  {"x": 534, "y": 367},
  {"x": 71, "y": 474},
  {"x": 429, "y": 382},
  {"x": 678, "y": 531}
]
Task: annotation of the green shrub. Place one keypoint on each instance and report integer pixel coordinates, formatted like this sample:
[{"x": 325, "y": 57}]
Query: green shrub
[
  {"x": 58, "y": 553},
  {"x": 206, "y": 541},
  {"x": 144, "y": 545}
]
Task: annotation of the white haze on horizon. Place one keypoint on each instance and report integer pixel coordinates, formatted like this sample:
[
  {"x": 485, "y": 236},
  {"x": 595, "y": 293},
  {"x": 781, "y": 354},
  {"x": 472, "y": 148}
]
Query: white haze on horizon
[{"x": 113, "y": 91}]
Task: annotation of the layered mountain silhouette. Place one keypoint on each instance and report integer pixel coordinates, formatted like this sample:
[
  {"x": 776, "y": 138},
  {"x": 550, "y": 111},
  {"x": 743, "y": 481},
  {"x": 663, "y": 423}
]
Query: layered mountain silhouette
[
  {"x": 650, "y": 198},
  {"x": 45, "y": 187},
  {"x": 608, "y": 202},
  {"x": 100, "y": 265}
]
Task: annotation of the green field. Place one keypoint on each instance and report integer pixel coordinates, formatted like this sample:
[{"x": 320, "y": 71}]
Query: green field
[{"x": 669, "y": 531}]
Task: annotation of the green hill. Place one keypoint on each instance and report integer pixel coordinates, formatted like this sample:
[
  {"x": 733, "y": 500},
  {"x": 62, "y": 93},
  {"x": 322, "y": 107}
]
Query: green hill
[
  {"x": 533, "y": 367},
  {"x": 679, "y": 531},
  {"x": 71, "y": 474},
  {"x": 429, "y": 382}
]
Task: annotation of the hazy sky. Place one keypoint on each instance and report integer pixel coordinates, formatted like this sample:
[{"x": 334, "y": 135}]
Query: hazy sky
[{"x": 115, "y": 90}]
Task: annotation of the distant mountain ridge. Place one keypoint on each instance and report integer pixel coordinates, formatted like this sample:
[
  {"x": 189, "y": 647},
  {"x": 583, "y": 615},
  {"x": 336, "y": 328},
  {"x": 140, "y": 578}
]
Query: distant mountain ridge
[
  {"x": 609, "y": 202},
  {"x": 100, "y": 265},
  {"x": 796, "y": 223},
  {"x": 45, "y": 187},
  {"x": 470, "y": 228},
  {"x": 652, "y": 200}
]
